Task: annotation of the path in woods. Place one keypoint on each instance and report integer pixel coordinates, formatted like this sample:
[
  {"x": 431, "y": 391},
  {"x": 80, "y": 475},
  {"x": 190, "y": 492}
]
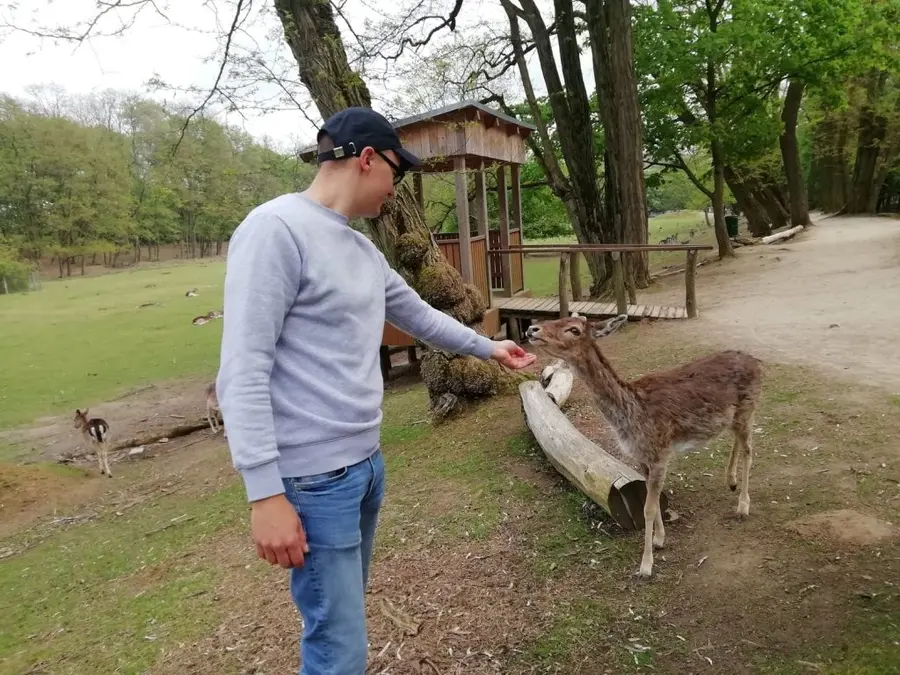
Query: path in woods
[{"x": 830, "y": 297}]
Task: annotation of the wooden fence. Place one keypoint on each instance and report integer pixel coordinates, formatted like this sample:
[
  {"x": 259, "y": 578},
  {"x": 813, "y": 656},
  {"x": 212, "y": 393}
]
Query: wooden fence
[
  {"x": 569, "y": 272},
  {"x": 448, "y": 242}
]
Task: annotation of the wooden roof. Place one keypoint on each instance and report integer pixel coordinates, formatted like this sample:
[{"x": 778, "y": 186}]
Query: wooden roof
[{"x": 471, "y": 131}]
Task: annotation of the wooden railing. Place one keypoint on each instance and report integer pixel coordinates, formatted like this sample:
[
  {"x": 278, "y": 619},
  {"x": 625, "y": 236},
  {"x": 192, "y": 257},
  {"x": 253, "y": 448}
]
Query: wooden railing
[{"x": 569, "y": 272}]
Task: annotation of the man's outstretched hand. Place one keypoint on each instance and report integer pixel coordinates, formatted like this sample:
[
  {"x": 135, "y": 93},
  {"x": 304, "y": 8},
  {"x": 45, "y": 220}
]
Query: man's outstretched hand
[{"x": 511, "y": 355}]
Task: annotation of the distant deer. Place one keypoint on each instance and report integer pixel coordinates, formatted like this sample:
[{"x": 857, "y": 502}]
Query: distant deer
[
  {"x": 659, "y": 414},
  {"x": 213, "y": 410},
  {"x": 96, "y": 432}
]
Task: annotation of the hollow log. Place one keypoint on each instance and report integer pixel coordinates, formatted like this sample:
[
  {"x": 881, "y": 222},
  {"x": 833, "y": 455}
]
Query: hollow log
[{"x": 611, "y": 484}]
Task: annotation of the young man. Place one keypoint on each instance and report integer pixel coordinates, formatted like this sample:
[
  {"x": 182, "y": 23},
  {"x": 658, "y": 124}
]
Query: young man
[{"x": 300, "y": 383}]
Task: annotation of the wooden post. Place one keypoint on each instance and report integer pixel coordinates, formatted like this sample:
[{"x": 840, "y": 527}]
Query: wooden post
[
  {"x": 516, "y": 208},
  {"x": 419, "y": 190},
  {"x": 385, "y": 357},
  {"x": 629, "y": 281},
  {"x": 503, "y": 206},
  {"x": 481, "y": 209},
  {"x": 690, "y": 291},
  {"x": 575, "y": 274},
  {"x": 563, "y": 284},
  {"x": 619, "y": 282},
  {"x": 462, "y": 217},
  {"x": 412, "y": 355}
]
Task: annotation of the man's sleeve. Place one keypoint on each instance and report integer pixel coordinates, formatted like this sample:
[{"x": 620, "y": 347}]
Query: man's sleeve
[
  {"x": 261, "y": 284},
  {"x": 411, "y": 314}
]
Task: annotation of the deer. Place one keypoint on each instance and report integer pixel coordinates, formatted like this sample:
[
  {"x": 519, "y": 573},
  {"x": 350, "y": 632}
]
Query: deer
[
  {"x": 213, "y": 410},
  {"x": 660, "y": 414},
  {"x": 96, "y": 432}
]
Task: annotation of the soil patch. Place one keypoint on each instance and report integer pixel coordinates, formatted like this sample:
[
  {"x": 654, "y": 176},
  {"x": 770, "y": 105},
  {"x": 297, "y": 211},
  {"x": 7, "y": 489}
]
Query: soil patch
[{"x": 844, "y": 525}]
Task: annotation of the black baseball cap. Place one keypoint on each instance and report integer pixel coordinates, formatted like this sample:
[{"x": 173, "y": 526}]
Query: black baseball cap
[{"x": 352, "y": 129}]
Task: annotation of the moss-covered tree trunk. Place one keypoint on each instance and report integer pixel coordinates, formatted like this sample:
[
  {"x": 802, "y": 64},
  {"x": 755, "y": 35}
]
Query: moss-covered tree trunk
[{"x": 400, "y": 233}]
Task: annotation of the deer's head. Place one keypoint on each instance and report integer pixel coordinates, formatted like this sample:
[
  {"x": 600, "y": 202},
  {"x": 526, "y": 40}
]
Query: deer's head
[
  {"x": 567, "y": 337},
  {"x": 81, "y": 418}
]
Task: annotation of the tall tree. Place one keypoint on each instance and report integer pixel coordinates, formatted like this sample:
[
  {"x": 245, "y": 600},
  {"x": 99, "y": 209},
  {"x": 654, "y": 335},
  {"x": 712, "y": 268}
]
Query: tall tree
[
  {"x": 612, "y": 50},
  {"x": 401, "y": 233}
]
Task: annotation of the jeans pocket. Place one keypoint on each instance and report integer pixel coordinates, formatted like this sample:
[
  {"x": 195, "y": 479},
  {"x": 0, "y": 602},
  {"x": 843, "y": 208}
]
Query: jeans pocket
[{"x": 318, "y": 481}]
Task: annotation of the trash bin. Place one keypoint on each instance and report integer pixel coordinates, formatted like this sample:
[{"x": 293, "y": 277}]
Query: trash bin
[{"x": 731, "y": 224}]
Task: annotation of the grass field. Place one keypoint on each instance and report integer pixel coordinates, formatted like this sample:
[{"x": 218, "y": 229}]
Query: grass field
[
  {"x": 481, "y": 541},
  {"x": 542, "y": 274},
  {"x": 83, "y": 340}
]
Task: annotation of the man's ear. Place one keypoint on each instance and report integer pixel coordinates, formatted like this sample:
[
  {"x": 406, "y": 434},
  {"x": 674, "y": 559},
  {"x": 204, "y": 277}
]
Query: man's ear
[{"x": 601, "y": 329}]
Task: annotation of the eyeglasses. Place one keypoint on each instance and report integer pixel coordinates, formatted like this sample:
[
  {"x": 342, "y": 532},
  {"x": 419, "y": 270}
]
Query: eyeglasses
[{"x": 398, "y": 172}]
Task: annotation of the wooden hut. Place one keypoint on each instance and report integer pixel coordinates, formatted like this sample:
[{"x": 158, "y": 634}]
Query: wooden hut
[{"x": 471, "y": 137}]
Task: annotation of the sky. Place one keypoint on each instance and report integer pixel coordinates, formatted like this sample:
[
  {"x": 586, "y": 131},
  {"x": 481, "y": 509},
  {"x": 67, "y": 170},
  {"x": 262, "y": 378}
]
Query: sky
[{"x": 175, "y": 49}]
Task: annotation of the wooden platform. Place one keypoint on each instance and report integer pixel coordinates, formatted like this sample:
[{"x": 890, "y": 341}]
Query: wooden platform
[{"x": 525, "y": 308}]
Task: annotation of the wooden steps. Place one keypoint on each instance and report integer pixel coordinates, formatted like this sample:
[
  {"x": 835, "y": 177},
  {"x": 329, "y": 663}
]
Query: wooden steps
[{"x": 522, "y": 307}]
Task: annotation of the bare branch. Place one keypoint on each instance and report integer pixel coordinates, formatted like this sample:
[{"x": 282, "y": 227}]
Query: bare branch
[
  {"x": 215, "y": 87},
  {"x": 89, "y": 29}
]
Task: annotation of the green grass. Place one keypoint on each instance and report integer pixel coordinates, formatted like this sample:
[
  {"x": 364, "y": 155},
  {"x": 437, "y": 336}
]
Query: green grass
[
  {"x": 71, "y": 600},
  {"x": 542, "y": 274},
  {"x": 84, "y": 340}
]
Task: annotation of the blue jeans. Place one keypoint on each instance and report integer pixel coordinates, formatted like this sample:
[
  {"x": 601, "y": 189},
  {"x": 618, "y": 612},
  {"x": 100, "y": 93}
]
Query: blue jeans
[{"x": 339, "y": 511}]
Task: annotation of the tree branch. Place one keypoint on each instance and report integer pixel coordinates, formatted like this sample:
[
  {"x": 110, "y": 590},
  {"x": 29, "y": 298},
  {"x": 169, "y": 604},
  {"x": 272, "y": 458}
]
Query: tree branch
[{"x": 215, "y": 87}]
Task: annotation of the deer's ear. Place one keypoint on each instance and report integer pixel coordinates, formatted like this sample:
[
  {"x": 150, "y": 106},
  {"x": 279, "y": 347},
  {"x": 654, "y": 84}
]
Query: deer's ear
[
  {"x": 576, "y": 315},
  {"x": 601, "y": 329}
]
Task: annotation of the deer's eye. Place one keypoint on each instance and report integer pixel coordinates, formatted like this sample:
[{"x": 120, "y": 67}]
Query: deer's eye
[{"x": 574, "y": 330}]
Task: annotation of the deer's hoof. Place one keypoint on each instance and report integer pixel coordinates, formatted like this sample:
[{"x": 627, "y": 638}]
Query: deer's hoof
[{"x": 743, "y": 510}]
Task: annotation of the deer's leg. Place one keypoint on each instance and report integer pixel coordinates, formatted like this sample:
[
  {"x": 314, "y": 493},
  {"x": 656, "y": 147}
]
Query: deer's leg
[
  {"x": 743, "y": 508},
  {"x": 105, "y": 450},
  {"x": 743, "y": 427},
  {"x": 732, "y": 463},
  {"x": 99, "y": 450},
  {"x": 659, "y": 532},
  {"x": 655, "y": 477}
]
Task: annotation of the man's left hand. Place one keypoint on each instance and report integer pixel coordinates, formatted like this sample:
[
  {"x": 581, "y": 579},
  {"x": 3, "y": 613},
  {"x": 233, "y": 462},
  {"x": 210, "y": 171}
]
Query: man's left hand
[{"x": 511, "y": 355}]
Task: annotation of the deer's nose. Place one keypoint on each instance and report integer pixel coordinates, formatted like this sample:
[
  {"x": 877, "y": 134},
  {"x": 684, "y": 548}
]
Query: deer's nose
[{"x": 531, "y": 331}]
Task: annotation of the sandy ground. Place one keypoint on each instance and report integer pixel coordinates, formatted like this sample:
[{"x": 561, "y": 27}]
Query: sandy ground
[{"x": 829, "y": 297}]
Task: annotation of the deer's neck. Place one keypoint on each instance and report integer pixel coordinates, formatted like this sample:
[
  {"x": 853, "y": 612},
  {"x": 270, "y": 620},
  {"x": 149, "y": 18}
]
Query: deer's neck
[{"x": 615, "y": 398}]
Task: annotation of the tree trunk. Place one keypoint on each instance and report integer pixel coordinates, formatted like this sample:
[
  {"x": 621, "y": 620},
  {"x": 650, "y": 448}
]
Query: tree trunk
[
  {"x": 400, "y": 233},
  {"x": 757, "y": 218},
  {"x": 872, "y": 130},
  {"x": 790, "y": 153},
  {"x": 724, "y": 243},
  {"x": 830, "y": 143},
  {"x": 571, "y": 112},
  {"x": 609, "y": 26},
  {"x": 716, "y": 149},
  {"x": 778, "y": 215}
]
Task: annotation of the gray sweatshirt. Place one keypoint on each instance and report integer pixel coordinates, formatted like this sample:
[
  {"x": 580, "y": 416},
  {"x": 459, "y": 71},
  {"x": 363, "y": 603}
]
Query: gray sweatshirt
[{"x": 299, "y": 383}]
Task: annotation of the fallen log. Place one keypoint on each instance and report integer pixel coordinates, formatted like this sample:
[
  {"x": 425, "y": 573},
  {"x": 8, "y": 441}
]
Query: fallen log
[
  {"x": 611, "y": 484},
  {"x": 787, "y": 234},
  {"x": 557, "y": 380}
]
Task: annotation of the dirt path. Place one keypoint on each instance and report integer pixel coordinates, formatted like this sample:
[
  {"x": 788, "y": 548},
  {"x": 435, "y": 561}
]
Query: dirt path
[{"x": 826, "y": 298}]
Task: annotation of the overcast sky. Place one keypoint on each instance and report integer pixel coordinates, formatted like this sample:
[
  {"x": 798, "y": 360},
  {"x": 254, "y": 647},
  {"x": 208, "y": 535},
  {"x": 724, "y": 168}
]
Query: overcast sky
[{"x": 172, "y": 50}]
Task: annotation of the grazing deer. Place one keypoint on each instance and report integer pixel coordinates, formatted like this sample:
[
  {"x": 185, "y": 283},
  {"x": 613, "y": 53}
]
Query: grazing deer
[
  {"x": 659, "y": 414},
  {"x": 96, "y": 432},
  {"x": 213, "y": 410}
]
